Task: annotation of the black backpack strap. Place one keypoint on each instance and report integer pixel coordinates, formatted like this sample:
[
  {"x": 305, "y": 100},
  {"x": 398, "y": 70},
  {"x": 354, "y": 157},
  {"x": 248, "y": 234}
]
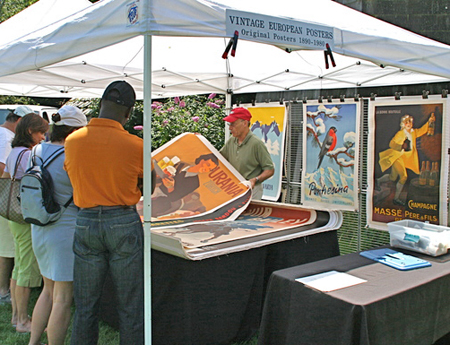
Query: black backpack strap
[
  {"x": 50, "y": 159},
  {"x": 68, "y": 202},
  {"x": 53, "y": 156}
]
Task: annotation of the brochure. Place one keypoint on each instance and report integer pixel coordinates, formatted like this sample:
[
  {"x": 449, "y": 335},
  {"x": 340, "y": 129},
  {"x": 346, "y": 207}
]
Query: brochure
[
  {"x": 330, "y": 281},
  {"x": 395, "y": 259}
]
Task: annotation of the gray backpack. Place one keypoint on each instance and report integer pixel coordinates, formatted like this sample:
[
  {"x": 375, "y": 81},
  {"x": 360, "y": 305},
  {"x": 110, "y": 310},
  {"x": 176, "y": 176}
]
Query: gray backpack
[{"x": 37, "y": 200}]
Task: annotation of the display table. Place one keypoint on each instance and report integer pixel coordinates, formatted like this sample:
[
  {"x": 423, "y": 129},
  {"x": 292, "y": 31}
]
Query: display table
[
  {"x": 218, "y": 300},
  {"x": 392, "y": 307}
]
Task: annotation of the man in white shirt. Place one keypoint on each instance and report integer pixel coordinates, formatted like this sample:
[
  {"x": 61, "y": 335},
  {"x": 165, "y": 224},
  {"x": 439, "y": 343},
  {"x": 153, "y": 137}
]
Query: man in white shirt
[{"x": 7, "y": 131}]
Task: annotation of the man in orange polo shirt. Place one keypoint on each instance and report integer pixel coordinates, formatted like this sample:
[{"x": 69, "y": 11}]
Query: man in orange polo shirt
[{"x": 105, "y": 163}]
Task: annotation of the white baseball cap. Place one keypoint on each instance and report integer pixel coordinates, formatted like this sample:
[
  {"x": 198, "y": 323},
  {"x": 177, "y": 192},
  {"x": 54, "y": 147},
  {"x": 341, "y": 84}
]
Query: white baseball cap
[
  {"x": 22, "y": 110},
  {"x": 71, "y": 116}
]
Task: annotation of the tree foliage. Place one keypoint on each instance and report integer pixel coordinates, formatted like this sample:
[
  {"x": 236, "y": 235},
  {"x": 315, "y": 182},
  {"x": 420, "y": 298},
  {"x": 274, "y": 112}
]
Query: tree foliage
[
  {"x": 16, "y": 100},
  {"x": 9, "y": 8}
]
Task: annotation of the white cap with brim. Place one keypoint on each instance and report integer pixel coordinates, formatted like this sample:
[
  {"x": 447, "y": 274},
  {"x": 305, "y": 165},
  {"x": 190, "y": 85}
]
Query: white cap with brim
[
  {"x": 71, "y": 116},
  {"x": 22, "y": 110}
]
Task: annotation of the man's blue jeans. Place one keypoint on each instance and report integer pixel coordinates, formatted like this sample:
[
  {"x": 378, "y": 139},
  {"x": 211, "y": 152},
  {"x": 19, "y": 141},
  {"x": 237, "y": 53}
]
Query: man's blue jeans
[{"x": 108, "y": 239}]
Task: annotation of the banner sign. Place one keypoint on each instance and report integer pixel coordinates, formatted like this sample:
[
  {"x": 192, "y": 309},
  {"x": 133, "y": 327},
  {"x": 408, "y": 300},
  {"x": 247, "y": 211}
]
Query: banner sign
[
  {"x": 407, "y": 170},
  {"x": 330, "y": 155},
  {"x": 273, "y": 30},
  {"x": 269, "y": 124},
  {"x": 194, "y": 183}
]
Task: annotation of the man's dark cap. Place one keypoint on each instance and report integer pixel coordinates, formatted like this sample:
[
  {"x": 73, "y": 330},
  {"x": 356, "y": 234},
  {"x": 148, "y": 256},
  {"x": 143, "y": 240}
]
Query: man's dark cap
[{"x": 125, "y": 94}]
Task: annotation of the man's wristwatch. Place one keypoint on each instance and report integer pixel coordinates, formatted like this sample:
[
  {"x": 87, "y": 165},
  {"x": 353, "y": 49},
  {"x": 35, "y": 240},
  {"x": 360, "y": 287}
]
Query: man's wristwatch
[{"x": 256, "y": 180}]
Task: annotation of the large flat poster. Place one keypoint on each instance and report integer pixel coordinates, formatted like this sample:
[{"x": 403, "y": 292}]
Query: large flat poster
[
  {"x": 257, "y": 219},
  {"x": 194, "y": 184},
  {"x": 330, "y": 155},
  {"x": 269, "y": 124},
  {"x": 407, "y": 176}
]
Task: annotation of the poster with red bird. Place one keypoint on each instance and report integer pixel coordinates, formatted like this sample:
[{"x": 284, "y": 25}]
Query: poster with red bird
[
  {"x": 330, "y": 155},
  {"x": 407, "y": 162}
]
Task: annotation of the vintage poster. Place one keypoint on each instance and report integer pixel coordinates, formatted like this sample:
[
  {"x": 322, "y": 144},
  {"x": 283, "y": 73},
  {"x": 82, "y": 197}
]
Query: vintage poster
[
  {"x": 269, "y": 123},
  {"x": 330, "y": 155},
  {"x": 195, "y": 184},
  {"x": 257, "y": 219},
  {"x": 407, "y": 176}
]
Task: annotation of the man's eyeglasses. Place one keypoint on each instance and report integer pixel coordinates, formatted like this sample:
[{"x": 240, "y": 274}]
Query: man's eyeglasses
[{"x": 232, "y": 124}]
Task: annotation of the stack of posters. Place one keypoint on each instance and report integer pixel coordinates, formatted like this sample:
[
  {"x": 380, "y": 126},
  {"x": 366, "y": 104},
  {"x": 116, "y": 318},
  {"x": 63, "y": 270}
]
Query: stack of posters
[{"x": 201, "y": 206}]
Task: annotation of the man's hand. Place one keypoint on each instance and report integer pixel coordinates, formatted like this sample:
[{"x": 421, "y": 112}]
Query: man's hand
[{"x": 432, "y": 118}]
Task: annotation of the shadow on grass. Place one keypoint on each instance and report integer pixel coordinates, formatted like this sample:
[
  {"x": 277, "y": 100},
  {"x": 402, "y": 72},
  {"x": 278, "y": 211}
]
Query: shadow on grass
[{"x": 107, "y": 334}]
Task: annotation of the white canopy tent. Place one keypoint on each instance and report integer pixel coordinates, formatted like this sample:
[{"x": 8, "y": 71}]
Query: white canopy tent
[
  {"x": 78, "y": 55},
  {"x": 190, "y": 66}
]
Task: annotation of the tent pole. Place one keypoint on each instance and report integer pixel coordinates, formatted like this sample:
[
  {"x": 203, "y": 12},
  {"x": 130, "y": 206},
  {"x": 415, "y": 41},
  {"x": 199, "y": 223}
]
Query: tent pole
[
  {"x": 147, "y": 188},
  {"x": 228, "y": 105}
]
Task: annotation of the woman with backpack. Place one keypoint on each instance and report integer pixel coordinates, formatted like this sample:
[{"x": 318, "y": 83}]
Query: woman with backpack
[
  {"x": 29, "y": 132},
  {"x": 52, "y": 243}
]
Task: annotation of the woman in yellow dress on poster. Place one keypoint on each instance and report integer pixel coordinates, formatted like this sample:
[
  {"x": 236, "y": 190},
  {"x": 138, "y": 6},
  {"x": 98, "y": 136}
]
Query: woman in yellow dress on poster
[{"x": 402, "y": 154}]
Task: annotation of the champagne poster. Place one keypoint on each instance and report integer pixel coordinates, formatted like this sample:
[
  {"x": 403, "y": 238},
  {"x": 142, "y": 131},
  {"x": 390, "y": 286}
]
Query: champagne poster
[
  {"x": 194, "y": 183},
  {"x": 407, "y": 174},
  {"x": 330, "y": 155},
  {"x": 268, "y": 123}
]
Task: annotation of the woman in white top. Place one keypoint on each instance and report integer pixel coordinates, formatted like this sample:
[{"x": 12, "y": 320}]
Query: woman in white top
[{"x": 29, "y": 132}]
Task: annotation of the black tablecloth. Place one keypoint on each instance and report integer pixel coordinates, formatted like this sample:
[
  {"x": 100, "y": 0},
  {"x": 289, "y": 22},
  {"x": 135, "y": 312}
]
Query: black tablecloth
[
  {"x": 218, "y": 300},
  {"x": 392, "y": 307}
]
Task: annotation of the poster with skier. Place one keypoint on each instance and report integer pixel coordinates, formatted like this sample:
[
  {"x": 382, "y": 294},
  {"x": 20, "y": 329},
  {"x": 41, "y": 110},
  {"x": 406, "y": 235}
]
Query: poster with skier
[
  {"x": 330, "y": 155},
  {"x": 269, "y": 124},
  {"x": 407, "y": 176}
]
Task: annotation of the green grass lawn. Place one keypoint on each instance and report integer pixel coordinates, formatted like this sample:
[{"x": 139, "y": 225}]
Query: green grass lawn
[{"x": 9, "y": 336}]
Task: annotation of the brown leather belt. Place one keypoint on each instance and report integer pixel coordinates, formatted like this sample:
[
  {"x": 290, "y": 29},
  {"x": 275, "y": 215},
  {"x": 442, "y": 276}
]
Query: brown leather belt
[{"x": 108, "y": 208}]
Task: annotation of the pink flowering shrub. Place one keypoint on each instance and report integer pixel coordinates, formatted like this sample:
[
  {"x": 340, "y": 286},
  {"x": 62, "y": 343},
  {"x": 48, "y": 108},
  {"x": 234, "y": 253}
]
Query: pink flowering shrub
[
  {"x": 174, "y": 116},
  {"x": 213, "y": 105}
]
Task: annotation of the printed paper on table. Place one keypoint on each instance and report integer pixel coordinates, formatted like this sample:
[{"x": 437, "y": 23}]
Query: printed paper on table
[
  {"x": 259, "y": 218},
  {"x": 330, "y": 281}
]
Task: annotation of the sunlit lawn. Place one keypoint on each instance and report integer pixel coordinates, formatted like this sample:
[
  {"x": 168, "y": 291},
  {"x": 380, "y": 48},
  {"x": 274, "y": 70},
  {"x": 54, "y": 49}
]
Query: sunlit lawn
[{"x": 9, "y": 336}]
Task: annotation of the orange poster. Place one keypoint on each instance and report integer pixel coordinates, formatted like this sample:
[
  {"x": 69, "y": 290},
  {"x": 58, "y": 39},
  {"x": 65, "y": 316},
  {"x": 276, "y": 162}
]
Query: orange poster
[{"x": 194, "y": 184}]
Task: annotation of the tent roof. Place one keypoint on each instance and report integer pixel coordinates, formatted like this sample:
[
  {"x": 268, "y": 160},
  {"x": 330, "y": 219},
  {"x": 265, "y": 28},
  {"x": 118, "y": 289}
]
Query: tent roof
[
  {"x": 38, "y": 15},
  {"x": 80, "y": 54}
]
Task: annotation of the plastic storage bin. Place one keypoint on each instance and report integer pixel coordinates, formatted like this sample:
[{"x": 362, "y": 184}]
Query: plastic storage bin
[{"x": 420, "y": 237}]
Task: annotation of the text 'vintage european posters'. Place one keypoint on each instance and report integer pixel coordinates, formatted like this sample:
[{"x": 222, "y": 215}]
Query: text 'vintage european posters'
[{"x": 195, "y": 184}]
